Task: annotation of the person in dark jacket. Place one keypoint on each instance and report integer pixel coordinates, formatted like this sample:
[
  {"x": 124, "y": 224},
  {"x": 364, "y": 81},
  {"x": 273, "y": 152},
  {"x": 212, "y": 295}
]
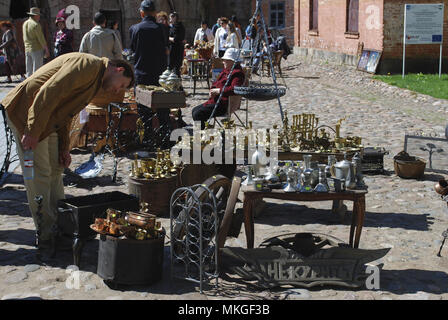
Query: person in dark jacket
[
  {"x": 162, "y": 18},
  {"x": 150, "y": 47},
  {"x": 177, "y": 37},
  {"x": 203, "y": 112}
]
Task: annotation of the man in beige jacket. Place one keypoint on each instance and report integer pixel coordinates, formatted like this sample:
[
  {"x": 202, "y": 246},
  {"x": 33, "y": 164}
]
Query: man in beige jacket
[
  {"x": 100, "y": 41},
  {"x": 39, "y": 112},
  {"x": 34, "y": 41}
]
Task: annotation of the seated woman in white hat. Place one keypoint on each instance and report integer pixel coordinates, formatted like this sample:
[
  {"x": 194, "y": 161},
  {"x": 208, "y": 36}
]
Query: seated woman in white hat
[{"x": 203, "y": 112}]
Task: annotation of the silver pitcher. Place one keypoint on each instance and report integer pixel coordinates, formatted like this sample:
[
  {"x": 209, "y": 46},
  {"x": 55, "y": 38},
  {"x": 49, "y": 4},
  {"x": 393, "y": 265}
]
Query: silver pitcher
[{"x": 345, "y": 170}]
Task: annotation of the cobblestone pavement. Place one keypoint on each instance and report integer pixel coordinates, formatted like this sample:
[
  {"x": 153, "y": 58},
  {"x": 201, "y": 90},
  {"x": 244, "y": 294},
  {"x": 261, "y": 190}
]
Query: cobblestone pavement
[{"x": 404, "y": 215}]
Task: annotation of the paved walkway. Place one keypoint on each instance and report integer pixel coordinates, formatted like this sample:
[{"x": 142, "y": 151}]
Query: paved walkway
[
  {"x": 3, "y": 92},
  {"x": 404, "y": 215}
]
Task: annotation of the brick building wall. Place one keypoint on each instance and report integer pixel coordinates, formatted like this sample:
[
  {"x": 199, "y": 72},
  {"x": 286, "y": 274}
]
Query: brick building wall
[
  {"x": 380, "y": 27},
  {"x": 331, "y": 34},
  {"x": 288, "y": 29},
  {"x": 425, "y": 57}
]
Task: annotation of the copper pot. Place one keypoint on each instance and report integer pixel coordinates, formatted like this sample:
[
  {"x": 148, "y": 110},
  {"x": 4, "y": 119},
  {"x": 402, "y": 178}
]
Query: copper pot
[
  {"x": 441, "y": 187},
  {"x": 142, "y": 220}
]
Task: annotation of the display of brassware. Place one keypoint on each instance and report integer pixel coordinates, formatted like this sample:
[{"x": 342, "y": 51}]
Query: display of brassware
[
  {"x": 304, "y": 134},
  {"x": 150, "y": 168},
  {"x": 130, "y": 225}
]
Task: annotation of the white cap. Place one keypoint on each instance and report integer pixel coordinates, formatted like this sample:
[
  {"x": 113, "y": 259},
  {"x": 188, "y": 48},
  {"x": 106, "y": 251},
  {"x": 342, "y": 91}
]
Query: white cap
[{"x": 231, "y": 54}]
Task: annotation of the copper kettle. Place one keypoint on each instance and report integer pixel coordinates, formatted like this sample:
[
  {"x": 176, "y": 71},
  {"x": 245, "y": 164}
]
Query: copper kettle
[{"x": 441, "y": 187}]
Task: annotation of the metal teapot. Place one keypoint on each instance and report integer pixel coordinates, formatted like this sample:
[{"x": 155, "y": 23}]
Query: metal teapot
[
  {"x": 163, "y": 77},
  {"x": 345, "y": 170}
]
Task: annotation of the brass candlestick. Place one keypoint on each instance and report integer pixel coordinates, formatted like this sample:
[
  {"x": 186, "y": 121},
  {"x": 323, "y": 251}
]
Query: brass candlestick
[{"x": 140, "y": 129}]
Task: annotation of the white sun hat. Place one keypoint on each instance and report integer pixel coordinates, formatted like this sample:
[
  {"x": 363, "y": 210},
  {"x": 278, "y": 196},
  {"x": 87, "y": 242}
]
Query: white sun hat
[{"x": 231, "y": 54}]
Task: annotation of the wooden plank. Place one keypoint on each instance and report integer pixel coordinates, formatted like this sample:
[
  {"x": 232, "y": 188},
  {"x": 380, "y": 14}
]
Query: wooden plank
[{"x": 230, "y": 208}]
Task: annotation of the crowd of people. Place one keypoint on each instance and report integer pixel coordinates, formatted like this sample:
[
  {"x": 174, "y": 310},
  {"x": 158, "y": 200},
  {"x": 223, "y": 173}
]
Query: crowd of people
[
  {"x": 41, "y": 108},
  {"x": 104, "y": 39}
]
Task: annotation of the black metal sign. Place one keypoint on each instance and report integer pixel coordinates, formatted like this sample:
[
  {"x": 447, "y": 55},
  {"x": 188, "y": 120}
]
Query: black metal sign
[{"x": 276, "y": 265}]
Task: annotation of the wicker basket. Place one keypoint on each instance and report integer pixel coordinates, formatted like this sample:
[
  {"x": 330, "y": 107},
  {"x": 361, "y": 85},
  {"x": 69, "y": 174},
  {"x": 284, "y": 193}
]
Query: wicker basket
[
  {"x": 408, "y": 167},
  {"x": 205, "y": 53}
]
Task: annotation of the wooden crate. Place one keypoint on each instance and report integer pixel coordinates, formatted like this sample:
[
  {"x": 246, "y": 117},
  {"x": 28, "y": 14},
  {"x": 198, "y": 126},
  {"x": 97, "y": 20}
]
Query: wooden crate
[
  {"x": 155, "y": 192},
  {"x": 160, "y": 99}
]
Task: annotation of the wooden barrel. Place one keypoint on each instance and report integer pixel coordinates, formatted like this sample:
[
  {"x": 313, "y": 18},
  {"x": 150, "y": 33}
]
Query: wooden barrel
[{"x": 155, "y": 192}]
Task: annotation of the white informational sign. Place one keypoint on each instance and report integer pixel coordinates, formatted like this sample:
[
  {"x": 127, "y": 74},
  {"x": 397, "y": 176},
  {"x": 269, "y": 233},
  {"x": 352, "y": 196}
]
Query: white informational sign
[{"x": 424, "y": 23}]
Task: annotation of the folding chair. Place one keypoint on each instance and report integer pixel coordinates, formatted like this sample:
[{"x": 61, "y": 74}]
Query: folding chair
[{"x": 234, "y": 105}]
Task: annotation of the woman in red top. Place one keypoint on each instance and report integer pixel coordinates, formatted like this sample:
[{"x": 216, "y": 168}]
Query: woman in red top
[{"x": 203, "y": 112}]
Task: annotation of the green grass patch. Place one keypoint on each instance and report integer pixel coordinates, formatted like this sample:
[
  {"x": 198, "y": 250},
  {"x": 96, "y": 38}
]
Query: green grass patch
[{"x": 429, "y": 84}]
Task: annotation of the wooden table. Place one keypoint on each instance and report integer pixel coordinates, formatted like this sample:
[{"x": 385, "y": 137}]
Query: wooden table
[{"x": 357, "y": 196}]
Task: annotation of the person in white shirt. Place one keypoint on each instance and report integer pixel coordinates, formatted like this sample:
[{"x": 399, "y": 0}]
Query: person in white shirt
[
  {"x": 204, "y": 33},
  {"x": 220, "y": 39},
  {"x": 233, "y": 39}
]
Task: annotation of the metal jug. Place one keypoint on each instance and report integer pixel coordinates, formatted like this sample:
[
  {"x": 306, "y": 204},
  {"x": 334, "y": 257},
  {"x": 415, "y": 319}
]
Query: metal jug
[{"x": 344, "y": 170}]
